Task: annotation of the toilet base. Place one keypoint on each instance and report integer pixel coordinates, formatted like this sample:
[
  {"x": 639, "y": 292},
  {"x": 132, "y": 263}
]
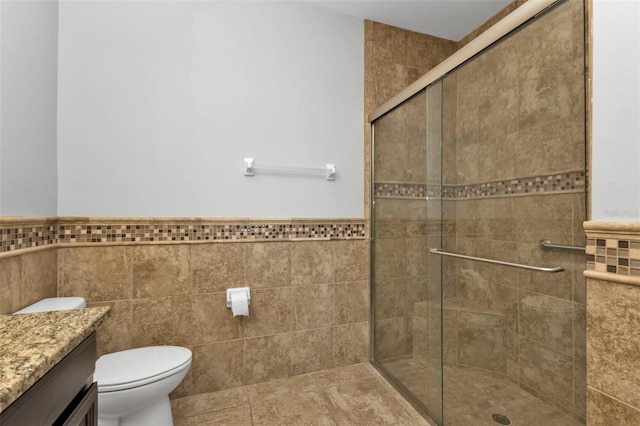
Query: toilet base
[{"x": 156, "y": 414}]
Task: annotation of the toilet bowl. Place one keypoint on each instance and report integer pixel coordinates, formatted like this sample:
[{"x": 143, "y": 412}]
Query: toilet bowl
[{"x": 133, "y": 385}]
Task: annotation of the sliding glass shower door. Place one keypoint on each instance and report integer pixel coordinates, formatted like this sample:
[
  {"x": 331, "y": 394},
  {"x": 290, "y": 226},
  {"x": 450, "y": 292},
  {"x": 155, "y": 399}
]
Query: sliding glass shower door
[
  {"x": 472, "y": 318},
  {"x": 407, "y": 212}
]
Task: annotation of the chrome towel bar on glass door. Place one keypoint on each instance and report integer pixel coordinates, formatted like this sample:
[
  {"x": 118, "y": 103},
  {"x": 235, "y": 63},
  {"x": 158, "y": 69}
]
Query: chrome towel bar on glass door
[
  {"x": 547, "y": 244},
  {"x": 439, "y": 252}
]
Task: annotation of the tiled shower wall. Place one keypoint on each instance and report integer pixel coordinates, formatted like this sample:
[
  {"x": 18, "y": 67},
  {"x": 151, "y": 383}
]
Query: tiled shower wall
[{"x": 519, "y": 113}]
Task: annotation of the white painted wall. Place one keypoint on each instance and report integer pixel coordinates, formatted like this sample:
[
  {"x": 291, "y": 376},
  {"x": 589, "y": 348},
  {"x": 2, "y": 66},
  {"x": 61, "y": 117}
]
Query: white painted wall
[
  {"x": 28, "y": 86},
  {"x": 616, "y": 110},
  {"x": 160, "y": 101}
]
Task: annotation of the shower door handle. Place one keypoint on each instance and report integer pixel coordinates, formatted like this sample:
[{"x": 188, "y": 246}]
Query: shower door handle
[{"x": 439, "y": 252}]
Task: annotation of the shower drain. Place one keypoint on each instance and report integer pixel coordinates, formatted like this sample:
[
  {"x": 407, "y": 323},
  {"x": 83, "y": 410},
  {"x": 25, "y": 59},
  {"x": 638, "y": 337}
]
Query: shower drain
[{"x": 499, "y": 418}]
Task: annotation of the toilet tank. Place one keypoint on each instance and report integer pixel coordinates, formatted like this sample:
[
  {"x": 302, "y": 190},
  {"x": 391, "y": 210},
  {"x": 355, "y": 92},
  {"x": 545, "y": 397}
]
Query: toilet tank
[{"x": 54, "y": 304}]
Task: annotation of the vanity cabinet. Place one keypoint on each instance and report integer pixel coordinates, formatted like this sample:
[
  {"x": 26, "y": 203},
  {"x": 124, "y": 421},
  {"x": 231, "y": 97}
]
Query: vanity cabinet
[{"x": 66, "y": 395}]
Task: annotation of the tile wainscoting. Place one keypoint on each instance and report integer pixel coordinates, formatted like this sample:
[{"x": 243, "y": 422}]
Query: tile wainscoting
[
  {"x": 165, "y": 280},
  {"x": 613, "y": 323}
]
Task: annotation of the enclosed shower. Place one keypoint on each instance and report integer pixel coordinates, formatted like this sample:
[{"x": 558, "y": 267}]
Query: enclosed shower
[{"x": 478, "y": 198}]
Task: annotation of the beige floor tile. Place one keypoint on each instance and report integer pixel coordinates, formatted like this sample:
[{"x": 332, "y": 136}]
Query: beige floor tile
[
  {"x": 306, "y": 408},
  {"x": 207, "y": 402},
  {"x": 351, "y": 396},
  {"x": 280, "y": 388},
  {"x": 236, "y": 416},
  {"x": 364, "y": 402},
  {"x": 343, "y": 374}
]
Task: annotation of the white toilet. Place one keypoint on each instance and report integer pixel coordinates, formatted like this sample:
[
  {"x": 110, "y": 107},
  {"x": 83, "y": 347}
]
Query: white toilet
[{"x": 133, "y": 385}]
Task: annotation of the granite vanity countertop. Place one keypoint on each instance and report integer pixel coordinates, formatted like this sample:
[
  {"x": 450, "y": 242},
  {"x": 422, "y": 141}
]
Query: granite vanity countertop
[{"x": 31, "y": 344}]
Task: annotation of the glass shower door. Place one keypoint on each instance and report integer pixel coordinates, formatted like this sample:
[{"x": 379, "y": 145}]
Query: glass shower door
[
  {"x": 406, "y": 218},
  {"x": 514, "y": 338}
]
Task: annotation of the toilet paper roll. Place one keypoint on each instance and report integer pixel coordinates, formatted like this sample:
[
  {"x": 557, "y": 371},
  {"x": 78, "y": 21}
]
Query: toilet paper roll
[{"x": 239, "y": 303}]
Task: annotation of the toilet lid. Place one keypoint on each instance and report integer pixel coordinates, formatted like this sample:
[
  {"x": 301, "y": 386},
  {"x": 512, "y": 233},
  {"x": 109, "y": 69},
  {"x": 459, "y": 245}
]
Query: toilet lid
[{"x": 140, "y": 366}]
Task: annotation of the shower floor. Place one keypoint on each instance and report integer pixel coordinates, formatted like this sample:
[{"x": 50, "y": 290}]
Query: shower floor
[{"x": 472, "y": 396}]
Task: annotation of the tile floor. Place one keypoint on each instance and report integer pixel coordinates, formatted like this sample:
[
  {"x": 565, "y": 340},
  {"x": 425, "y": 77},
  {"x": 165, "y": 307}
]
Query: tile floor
[
  {"x": 472, "y": 395},
  {"x": 354, "y": 395}
]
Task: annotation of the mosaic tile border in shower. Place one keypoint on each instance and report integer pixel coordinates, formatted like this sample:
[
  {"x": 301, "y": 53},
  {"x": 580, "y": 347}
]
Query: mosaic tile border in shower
[
  {"x": 558, "y": 182},
  {"x": 20, "y": 237},
  {"x": 613, "y": 255}
]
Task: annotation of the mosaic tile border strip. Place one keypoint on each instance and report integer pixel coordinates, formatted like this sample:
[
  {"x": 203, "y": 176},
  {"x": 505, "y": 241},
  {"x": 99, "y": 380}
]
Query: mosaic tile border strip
[
  {"x": 27, "y": 237},
  {"x": 613, "y": 255},
  {"x": 406, "y": 190},
  {"x": 554, "y": 183},
  {"x": 206, "y": 232}
]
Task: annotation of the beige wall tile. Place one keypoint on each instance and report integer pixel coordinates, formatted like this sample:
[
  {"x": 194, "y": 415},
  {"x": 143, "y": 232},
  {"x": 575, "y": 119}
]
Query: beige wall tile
[
  {"x": 482, "y": 347},
  {"x": 389, "y": 257},
  {"x": 547, "y": 372},
  {"x": 545, "y": 217},
  {"x": 613, "y": 331},
  {"x": 425, "y": 51},
  {"x": 161, "y": 271},
  {"x": 496, "y": 218},
  {"x": 449, "y": 339},
  {"x": 351, "y": 344},
  {"x": 312, "y": 350},
  {"x": 217, "y": 366},
  {"x": 313, "y": 306},
  {"x": 270, "y": 312},
  {"x": 511, "y": 352},
  {"x": 39, "y": 276},
  {"x": 217, "y": 267},
  {"x": 312, "y": 263},
  {"x": 10, "y": 285},
  {"x": 268, "y": 265},
  {"x": 211, "y": 320},
  {"x": 161, "y": 321},
  {"x": 389, "y": 42},
  {"x": 393, "y": 337},
  {"x": 115, "y": 332},
  {"x": 548, "y": 320},
  {"x": 184, "y": 388},
  {"x": 602, "y": 410},
  {"x": 351, "y": 260},
  {"x": 390, "y": 299},
  {"x": 549, "y": 42},
  {"x": 549, "y": 148},
  {"x": 267, "y": 358},
  {"x": 96, "y": 273},
  {"x": 580, "y": 388},
  {"x": 558, "y": 284},
  {"x": 351, "y": 302},
  {"x": 579, "y": 331},
  {"x": 415, "y": 257}
]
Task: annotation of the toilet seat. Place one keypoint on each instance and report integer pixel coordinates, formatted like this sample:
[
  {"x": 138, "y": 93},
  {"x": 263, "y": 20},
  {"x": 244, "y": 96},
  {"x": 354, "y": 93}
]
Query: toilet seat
[{"x": 138, "y": 367}]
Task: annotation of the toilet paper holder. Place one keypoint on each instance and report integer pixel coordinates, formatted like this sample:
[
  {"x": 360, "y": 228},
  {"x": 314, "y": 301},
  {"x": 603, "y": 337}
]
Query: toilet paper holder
[{"x": 231, "y": 291}]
